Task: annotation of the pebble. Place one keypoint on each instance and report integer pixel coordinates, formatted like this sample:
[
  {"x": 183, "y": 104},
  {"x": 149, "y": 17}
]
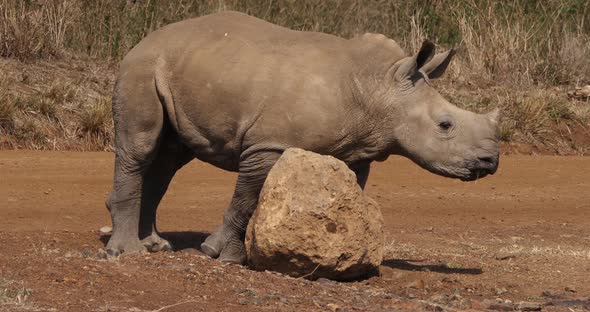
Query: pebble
[
  {"x": 529, "y": 306},
  {"x": 325, "y": 281},
  {"x": 417, "y": 284},
  {"x": 497, "y": 305},
  {"x": 192, "y": 251},
  {"x": 552, "y": 294},
  {"x": 106, "y": 230},
  {"x": 505, "y": 256},
  {"x": 501, "y": 307},
  {"x": 570, "y": 289},
  {"x": 449, "y": 280}
]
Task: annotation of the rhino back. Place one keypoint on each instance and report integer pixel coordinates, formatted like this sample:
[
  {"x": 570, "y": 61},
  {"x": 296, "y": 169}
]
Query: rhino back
[{"x": 237, "y": 82}]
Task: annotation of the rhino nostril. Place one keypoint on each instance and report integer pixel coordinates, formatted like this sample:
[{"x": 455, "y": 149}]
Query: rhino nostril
[
  {"x": 487, "y": 160},
  {"x": 488, "y": 163}
]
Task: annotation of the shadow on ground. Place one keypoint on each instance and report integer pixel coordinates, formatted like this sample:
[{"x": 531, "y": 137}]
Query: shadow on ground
[
  {"x": 405, "y": 264},
  {"x": 180, "y": 240}
]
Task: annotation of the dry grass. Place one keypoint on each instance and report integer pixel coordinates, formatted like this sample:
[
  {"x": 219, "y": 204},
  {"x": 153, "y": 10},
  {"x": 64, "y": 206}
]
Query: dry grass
[
  {"x": 545, "y": 251},
  {"x": 522, "y": 56},
  {"x": 13, "y": 293},
  {"x": 55, "y": 106},
  {"x": 96, "y": 122},
  {"x": 31, "y": 31},
  {"x": 512, "y": 41},
  {"x": 7, "y": 108}
]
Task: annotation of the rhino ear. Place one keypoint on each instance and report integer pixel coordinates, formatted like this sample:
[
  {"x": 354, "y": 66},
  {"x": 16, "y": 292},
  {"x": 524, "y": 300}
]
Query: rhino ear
[
  {"x": 409, "y": 66},
  {"x": 438, "y": 65}
]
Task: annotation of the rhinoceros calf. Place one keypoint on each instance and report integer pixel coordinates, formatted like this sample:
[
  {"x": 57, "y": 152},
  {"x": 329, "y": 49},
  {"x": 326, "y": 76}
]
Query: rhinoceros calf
[{"x": 236, "y": 91}]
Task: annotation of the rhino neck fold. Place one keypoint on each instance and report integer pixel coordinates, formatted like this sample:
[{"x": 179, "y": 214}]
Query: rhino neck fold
[{"x": 367, "y": 134}]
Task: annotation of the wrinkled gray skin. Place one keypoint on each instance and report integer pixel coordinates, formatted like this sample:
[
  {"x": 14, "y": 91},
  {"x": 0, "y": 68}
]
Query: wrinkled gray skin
[{"x": 236, "y": 91}]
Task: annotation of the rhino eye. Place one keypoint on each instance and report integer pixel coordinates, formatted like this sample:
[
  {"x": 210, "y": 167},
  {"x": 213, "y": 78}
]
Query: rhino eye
[{"x": 445, "y": 125}]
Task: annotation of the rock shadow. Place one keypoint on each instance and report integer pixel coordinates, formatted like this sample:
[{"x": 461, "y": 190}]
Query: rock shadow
[{"x": 406, "y": 265}]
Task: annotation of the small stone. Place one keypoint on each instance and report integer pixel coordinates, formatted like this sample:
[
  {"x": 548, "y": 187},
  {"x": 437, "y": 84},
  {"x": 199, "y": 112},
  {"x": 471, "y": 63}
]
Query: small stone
[
  {"x": 456, "y": 297},
  {"x": 477, "y": 305},
  {"x": 103, "y": 254},
  {"x": 417, "y": 284},
  {"x": 333, "y": 307},
  {"x": 529, "y": 306},
  {"x": 497, "y": 305},
  {"x": 106, "y": 230},
  {"x": 552, "y": 294},
  {"x": 449, "y": 280},
  {"x": 440, "y": 298},
  {"x": 59, "y": 279},
  {"x": 501, "y": 307},
  {"x": 500, "y": 291},
  {"x": 192, "y": 251},
  {"x": 570, "y": 289},
  {"x": 504, "y": 256}
]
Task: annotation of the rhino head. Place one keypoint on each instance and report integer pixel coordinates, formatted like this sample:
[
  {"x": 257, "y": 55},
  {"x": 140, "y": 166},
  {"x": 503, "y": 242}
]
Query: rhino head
[{"x": 434, "y": 133}]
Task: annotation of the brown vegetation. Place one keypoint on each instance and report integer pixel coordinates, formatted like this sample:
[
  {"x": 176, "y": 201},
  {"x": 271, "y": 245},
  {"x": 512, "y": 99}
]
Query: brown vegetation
[
  {"x": 523, "y": 56},
  {"x": 55, "y": 105}
]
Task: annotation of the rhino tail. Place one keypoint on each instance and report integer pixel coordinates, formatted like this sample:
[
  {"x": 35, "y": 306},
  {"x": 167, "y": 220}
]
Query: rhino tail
[{"x": 161, "y": 79}]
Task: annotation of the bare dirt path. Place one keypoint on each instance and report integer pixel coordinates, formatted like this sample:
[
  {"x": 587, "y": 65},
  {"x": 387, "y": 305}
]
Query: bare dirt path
[{"x": 520, "y": 235}]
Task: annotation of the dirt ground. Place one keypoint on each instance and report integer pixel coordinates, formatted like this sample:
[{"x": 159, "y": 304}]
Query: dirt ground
[{"x": 517, "y": 240}]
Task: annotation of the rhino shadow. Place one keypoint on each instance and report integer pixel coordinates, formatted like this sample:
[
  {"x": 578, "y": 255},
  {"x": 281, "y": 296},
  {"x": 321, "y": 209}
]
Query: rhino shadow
[
  {"x": 406, "y": 265},
  {"x": 180, "y": 240}
]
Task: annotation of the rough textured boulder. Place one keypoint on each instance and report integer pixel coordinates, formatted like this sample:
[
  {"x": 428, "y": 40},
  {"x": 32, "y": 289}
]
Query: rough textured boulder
[{"x": 314, "y": 220}]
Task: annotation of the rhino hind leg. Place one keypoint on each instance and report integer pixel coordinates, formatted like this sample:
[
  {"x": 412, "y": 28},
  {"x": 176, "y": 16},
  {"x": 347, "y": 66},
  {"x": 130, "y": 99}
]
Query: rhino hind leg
[
  {"x": 139, "y": 121},
  {"x": 171, "y": 156},
  {"x": 227, "y": 242},
  {"x": 124, "y": 204}
]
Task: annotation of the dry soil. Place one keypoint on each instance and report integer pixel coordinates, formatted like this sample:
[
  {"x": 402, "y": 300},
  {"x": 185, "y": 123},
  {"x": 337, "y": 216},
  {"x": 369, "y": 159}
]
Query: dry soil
[{"x": 520, "y": 235}]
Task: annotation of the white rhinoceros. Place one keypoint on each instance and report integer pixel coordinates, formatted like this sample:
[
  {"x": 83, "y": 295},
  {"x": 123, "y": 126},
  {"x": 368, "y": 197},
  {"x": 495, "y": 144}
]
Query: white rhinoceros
[{"x": 236, "y": 91}]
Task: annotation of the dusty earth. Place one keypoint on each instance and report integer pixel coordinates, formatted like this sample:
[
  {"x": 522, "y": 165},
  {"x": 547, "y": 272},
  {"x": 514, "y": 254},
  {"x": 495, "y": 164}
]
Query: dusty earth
[{"x": 522, "y": 235}]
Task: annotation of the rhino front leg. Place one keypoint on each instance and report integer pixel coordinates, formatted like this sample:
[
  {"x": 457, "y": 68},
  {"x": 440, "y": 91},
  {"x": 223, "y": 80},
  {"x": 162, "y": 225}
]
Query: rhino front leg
[
  {"x": 227, "y": 242},
  {"x": 362, "y": 173}
]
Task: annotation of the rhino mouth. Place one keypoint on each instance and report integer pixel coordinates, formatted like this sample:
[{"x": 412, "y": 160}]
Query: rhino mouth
[
  {"x": 481, "y": 167},
  {"x": 475, "y": 174},
  {"x": 466, "y": 171}
]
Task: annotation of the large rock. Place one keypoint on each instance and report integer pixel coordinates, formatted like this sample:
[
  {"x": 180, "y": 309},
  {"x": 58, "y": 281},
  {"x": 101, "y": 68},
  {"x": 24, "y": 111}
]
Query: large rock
[{"x": 314, "y": 220}]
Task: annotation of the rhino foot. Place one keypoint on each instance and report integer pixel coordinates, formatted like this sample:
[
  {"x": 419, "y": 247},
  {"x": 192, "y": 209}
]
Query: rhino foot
[
  {"x": 224, "y": 245},
  {"x": 234, "y": 253},
  {"x": 155, "y": 243},
  {"x": 116, "y": 247}
]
